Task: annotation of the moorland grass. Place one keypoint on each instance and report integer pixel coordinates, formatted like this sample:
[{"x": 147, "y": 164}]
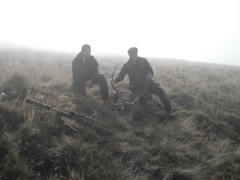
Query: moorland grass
[{"x": 201, "y": 141}]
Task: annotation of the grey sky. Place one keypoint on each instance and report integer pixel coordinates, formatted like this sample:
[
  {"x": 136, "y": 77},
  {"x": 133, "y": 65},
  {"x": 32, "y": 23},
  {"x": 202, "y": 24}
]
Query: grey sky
[{"x": 198, "y": 30}]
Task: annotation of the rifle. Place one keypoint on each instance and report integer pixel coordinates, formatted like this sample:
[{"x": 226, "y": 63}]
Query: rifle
[{"x": 79, "y": 118}]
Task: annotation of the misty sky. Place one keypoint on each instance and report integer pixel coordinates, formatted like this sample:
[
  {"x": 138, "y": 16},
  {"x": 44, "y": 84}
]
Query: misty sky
[{"x": 199, "y": 30}]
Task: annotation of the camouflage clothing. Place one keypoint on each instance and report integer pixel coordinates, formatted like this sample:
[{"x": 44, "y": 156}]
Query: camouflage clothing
[{"x": 87, "y": 69}]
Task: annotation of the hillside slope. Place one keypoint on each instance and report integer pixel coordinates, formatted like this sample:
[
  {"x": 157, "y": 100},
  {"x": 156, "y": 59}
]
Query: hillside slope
[{"x": 201, "y": 141}]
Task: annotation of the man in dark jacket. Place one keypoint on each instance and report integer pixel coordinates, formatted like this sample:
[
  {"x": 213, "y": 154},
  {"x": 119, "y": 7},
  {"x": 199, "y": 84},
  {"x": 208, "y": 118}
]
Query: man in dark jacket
[
  {"x": 85, "y": 73},
  {"x": 139, "y": 70}
]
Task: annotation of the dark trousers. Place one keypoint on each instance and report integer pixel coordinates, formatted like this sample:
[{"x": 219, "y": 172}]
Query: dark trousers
[
  {"x": 153, "y": 88},
  {"x": 157, "y": 90},
  {"x": 80, "y": 86}
]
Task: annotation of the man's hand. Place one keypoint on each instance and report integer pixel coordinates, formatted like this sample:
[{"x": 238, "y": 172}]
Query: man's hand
[
  {"x": 89, "y": 83},
  {"x": 112, "y": 81}
]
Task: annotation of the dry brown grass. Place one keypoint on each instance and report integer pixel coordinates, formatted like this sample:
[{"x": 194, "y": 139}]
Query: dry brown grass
[{"x": 200, "y": 142}]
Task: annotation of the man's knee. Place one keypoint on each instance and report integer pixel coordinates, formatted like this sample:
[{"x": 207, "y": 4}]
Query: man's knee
[
  {"x": 157, "y": 90},
  {"x": 161, "y": 91},
  {"x": 99, "y": 79}
]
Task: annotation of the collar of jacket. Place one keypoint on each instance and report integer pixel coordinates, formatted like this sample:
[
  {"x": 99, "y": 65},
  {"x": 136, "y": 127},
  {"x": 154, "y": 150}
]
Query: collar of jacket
[{"x": 83, "y": 58}]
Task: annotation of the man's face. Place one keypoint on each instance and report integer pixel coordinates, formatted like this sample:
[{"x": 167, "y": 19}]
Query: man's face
[
  {"x": 133, "y": 56},
  {"x": 86, "y": 52}
]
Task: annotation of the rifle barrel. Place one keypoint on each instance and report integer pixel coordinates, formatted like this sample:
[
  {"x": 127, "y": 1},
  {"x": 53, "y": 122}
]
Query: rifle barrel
[
  {"x": 71, "y": 115},
  {"x": 37, "y": 103},
  {"x": 79, "y": 118}
]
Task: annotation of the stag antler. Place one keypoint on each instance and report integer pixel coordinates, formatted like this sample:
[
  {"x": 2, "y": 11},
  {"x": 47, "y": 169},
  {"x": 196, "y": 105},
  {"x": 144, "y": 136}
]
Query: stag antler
[
  {"x": 114, "y": 88},
  {"x": 149, "y": 77},
  {"x": 128, "y": 106}
]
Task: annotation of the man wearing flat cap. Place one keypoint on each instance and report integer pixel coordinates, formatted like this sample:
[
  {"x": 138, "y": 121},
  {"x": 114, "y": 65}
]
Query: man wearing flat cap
[
  {"x": 132, "y": 49},
  {"x": 140, "y": 75}
]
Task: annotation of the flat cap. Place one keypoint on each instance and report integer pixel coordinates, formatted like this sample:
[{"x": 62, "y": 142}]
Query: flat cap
[{"x": 132, "y": 49}]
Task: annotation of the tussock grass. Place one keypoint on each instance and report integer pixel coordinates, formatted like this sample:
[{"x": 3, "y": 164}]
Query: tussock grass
[{"x": 201, "y": 141}]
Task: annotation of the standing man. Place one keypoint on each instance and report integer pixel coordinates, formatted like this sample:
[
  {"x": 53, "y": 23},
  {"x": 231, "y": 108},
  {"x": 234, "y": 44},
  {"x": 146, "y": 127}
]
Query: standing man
[
  {"x": 85, "y": 73},
  {"x": 138, "y": 70}
]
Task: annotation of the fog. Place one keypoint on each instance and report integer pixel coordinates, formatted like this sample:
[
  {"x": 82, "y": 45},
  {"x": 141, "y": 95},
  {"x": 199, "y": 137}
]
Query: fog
[{"x": 205, "y": 31}]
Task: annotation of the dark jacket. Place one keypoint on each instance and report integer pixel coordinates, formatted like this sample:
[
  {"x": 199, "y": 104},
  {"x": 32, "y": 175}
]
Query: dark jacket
[
  {"x": 83, "y": 71},
  {"x": 138, "y": 73}
]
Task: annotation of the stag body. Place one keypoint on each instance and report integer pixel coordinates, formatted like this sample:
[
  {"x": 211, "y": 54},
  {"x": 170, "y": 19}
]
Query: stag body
[{"x": 125, "y": 100}]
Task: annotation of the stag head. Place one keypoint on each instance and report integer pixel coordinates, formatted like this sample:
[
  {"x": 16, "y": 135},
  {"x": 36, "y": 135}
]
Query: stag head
[{"x": 124, "y": 99}]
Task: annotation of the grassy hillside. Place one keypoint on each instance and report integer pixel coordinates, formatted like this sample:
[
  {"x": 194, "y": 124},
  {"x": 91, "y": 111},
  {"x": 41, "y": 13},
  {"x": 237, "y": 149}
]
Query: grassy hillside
[{"x": 200, "y": 142}]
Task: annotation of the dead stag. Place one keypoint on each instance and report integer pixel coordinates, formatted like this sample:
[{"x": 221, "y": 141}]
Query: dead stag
[{"x": 125, "y": 101}]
